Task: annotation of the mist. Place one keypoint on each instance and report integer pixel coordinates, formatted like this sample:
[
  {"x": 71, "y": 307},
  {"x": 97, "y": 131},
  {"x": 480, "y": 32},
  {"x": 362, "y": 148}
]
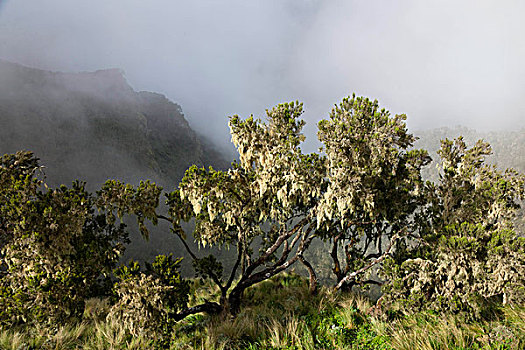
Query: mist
[{"x": 443, "y": 63}]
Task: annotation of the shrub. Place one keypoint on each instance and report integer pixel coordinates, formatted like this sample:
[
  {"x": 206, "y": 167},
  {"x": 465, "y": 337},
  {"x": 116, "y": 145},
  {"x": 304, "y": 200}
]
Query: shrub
[
  {"x": 56, "y": 249},
  {"x": 468, "y": 256},
  {"x": 149, "y": 301}
]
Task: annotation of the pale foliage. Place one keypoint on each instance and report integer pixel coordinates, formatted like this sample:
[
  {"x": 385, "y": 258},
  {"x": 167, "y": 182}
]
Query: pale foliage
[
  {"x": 470, "y": 255},
  {"x": 269, "y": 196},
  {"x": 140, "y": 304},
  {"x": 372, "y": 184},
  {"x": 149, "y": 301}
]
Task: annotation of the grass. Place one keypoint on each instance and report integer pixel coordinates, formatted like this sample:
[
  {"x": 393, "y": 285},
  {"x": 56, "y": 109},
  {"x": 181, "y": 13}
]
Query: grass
[
  {"x": 281, "y": 314},
  {"x": 451, "y": 332}
]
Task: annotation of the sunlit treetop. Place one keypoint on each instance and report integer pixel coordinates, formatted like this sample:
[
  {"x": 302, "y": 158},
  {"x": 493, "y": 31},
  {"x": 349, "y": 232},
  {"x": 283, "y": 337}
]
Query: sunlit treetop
[{"x": 371, "y": 171}]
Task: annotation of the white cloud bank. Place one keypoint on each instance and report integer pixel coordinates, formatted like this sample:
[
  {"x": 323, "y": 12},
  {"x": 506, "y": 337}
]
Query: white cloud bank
[{"x": 443, "y": 63}]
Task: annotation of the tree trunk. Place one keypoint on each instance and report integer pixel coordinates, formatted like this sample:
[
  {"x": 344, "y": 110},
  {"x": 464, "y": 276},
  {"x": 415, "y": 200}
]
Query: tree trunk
[
  {"x": 312, "y": 276},
  {"x": 339, "y": 274},
  {"x": 234, "y": 300},
  {"x": 345, "y": 287}
]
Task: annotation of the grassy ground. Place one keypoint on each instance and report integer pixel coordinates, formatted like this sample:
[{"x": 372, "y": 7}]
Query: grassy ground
[{"x": 280, "y": 314}]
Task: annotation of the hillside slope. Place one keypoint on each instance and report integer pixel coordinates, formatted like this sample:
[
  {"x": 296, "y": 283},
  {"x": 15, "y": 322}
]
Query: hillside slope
[{"x": 93, "y": 126}]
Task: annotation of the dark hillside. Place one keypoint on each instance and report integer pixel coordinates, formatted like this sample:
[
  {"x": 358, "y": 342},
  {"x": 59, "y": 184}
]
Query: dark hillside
[{"x": 93, "y": 126}]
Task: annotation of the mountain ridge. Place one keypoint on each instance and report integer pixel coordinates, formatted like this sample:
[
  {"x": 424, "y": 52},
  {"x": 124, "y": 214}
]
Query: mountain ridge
[{"x": 93, "y": 126}]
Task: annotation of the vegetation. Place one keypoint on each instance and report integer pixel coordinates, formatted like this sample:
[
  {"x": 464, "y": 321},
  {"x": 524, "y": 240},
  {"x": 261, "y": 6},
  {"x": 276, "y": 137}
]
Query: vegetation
[
  {"x": 269, "y": 196},
  {"x": 445, "y": 252},
  {"x": 56, "y": 251},
  {"x": 470, "y": 254},
  {"x": 280, "y": 313},
  {"x": 373, "y": 185}
]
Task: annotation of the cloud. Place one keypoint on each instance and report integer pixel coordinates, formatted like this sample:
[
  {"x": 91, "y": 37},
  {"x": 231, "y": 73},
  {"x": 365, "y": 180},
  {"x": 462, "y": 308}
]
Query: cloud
[{"x": 442, "y": 63}]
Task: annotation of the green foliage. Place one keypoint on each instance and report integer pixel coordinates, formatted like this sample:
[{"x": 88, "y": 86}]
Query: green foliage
[
  {"x": 60, "y": 245},
  {"x": 121, "y": 198},
  {"x": 369, "y": 168},
  {"x": 207, "y": 266},
  {"x": 454, "y": 244},
  {"x": 148, "y": 301},
  {"x": 469, "y": 256},
  {"x": 373, "y": 183},
  {"x": 56, "y": 249}
]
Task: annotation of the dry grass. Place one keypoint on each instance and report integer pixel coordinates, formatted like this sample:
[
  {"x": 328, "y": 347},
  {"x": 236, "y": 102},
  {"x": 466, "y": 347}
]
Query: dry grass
[
  {"x": 94, "y": 333},
  {"x": 290, "y": 333},
  {"x": 281, "y": 314},
  {"x": 430, "y": 332}
]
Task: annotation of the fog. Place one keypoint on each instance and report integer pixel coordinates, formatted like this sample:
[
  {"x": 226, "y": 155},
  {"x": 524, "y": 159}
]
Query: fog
[{"x": 443, "y": 63}]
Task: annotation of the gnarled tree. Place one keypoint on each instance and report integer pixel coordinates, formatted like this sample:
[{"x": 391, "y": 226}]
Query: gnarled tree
[
  {"x": 372, "y": 186},
  {"x": 262, "y": 206}
]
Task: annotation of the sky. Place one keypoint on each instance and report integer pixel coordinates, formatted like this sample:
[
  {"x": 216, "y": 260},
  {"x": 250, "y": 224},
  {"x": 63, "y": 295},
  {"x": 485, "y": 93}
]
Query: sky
[{"x": 441, "y": 62}]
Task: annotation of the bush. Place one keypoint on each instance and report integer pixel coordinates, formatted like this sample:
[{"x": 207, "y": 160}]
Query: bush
[
  {"x": 56, "y": 250},
  {"x": 149, "y": 301},
  {"x": 468, "y": 256}
]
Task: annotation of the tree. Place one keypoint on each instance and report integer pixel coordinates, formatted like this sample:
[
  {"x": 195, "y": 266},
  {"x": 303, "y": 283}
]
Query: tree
[
  {"x": 262, "y": 206},
  {"x": 372, "y": 186},
  {"x": 57, "y": 248},
  {"x": 366, "y": 188},
  {"x": 467, "y": 254}
]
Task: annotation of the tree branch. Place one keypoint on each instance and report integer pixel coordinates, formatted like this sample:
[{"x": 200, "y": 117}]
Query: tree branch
[
  {"x": 214, "y": 278},
  {"x": 377, "y": 283},
  {"x": 208, "y": 307},
  {"x": 280, "y": 240},
  {"x": 372, "y": 255},
  {"x": 335, "y": 258},
  {"x": 235, "y": 267},
  {"x": 276, "y": 268},
  {"x": 380, "y": 244},
  {"x": 186, "y": 246},
  {"x": 159, "y": 216},
  {"x": 354, "y": 274},
  {"x": 287, "y": 249},
  {"x": 311, "y": 274}
]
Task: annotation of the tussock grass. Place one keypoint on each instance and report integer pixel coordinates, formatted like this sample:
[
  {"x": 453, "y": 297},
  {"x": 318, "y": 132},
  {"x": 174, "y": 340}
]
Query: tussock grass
[
  {"x": 112, "y": 335},
  {"x": 428, "y": 331},
  {"x": 96, "y": 336},
  {"x": 281, "y": 314},
  {"x": 14, "y": 341},
  {"x": 94, "y": 333}
]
